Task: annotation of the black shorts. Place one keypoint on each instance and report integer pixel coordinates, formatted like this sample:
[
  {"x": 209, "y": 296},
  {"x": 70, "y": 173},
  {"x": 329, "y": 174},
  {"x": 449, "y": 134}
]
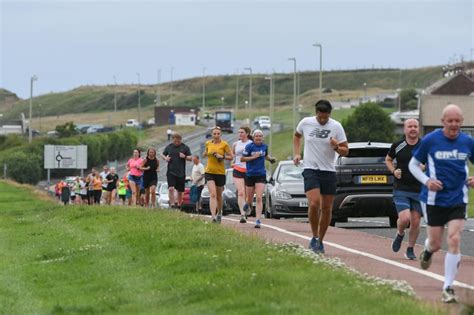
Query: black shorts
[
  {"x": 176, "y": 181},
  {"x": 439, "y": 216},
  {"x": 73, "y": 197},
  {"x": 218, "y": 179},
  {"x": 250, "y": 181},
  {"x": 148, "y": 182},
  {"x": 123, "y": 197},
  {"x": 83, "y": 197},
  {"x": 238, "y": 174},
  {"x": 325, "y": 181}
]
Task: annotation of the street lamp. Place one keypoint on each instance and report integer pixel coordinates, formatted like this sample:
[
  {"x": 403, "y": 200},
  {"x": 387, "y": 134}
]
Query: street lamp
[
  {"x": 247, "y": 111},
  {"x": 30, "y": 133},
  {"x": 237, "y": 90},
  {"x": 320, "y": 68},
  {"x": 171, "y": 87},
  {"x": 250, "y": 89},
  {"x": 365, "y": 91},
  {"x": 39, "y": 114},
  {"x": 115, "y": 95},
  {"x": 158, "y": 81},
  {"x": 222, "y": 99},
  {"x": 271, "y": 110},
  {"x": 294, "y": 92},
  {"x": 203, "y": 89},
  {"x": 139, "y": 100}
]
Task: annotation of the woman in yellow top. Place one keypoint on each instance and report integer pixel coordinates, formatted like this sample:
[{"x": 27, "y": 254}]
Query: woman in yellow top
[{"x": 216, "y": 151}]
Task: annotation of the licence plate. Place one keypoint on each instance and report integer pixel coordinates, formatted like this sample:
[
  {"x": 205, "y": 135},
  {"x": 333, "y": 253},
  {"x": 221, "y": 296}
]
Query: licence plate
[
  {"x": 373, "y": 179},
  {"x": 303, "y": 203}
]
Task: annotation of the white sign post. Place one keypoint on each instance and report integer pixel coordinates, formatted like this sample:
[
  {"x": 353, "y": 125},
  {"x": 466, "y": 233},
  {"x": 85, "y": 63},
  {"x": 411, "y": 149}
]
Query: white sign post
[{"x": 65, "y": 157}]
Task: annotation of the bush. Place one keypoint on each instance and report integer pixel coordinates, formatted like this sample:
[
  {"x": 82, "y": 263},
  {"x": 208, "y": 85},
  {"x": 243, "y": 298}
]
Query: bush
[
  {"x": 369, "y": 122},
  {"x": 24, "y": 167}
]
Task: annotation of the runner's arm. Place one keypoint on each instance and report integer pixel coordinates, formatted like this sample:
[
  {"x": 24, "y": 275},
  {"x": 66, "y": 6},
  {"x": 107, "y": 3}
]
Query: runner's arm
[{"x": 416, "y": 171}]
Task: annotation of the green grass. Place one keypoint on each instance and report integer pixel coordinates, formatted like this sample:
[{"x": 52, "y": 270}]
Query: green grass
[{"x": 88, "y": 260}]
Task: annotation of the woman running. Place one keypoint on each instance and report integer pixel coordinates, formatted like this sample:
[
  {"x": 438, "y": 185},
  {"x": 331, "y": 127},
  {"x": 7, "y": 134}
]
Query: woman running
[
  {"x": 134, "y": 165},
  {"x": 150, "y": 177},
  {"x": 216, "y": 151},
  {"x": 238, "y": 173},
  {"x": 111, "y": 189},
  {"x": 255, "y": 155}
]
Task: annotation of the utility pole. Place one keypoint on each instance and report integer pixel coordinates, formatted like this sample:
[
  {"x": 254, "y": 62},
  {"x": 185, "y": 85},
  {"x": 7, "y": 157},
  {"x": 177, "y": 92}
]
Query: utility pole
[
  {"x": 158, "y": 81},
  {"x": 294, "y": 92},
  {"x": 139, "y": 101},
  {"x": 320, "y": 68},
  {"x": 30, "y": 119},
  {"x": 115, "y": 95},
  {"x": 203, "y": 89},
  {"x": 250, "y": 91},
  {"x": 237, "y": 90},
  {"x": 171, "y": 87}
]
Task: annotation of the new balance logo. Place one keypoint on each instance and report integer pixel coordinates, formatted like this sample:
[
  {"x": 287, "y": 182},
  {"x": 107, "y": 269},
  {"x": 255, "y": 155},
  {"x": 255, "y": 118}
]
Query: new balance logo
[{"x": 320, "y": 133}]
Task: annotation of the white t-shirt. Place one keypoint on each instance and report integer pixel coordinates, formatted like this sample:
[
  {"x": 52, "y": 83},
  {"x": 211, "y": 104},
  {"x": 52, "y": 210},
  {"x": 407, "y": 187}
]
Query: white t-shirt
[
  {"x": 239, "y": 147},
  {"x": 197, "y": 172},
  {"x": 318, "y": 152}
]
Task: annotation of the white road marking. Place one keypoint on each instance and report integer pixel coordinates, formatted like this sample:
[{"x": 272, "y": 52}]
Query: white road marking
[
  {"x": 372, "y": 256},
  {"x": 385, "y": 223}
]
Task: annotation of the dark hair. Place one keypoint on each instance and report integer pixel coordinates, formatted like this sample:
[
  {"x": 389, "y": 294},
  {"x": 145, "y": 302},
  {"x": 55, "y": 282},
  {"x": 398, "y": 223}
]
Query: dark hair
[
  {"x": 323, "y": 106},
  {"x": 139, "y": 152},
  {"x": 148, "y": 152},
  {"x": 248, "y": 131}
]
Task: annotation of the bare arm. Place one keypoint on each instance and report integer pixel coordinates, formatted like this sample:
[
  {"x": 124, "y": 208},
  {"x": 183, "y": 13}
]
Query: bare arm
[{"x": 297, "y": 148}]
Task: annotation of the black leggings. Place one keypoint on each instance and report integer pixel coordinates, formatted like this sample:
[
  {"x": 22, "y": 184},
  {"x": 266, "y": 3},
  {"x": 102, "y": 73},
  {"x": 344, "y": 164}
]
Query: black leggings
[{"x": 97, "y": 195}]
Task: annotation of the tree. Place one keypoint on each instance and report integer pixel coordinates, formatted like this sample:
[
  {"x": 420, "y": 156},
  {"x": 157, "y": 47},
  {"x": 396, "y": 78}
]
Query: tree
[
  {"x": 369, "y": 122},
  {"x": 67, "y": 130},
  {"x": 25, "y": 168},
  {"x": 408, "y": 99}
]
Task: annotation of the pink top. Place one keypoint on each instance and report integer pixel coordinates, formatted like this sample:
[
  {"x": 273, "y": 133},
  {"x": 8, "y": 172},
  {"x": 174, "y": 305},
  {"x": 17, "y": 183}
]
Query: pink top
[{"x": 134, "y": 166}]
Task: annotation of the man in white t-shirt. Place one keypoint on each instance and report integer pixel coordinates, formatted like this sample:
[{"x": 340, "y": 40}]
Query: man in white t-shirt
[
  {"x": 103, "y": 175},
  {"x": 323, "y": 138},
  {"x": 197, "y": 177}
]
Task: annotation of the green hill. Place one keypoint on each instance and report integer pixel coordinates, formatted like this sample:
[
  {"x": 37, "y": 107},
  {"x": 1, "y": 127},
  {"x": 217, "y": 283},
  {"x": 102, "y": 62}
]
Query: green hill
[
  {"x": 189, "y": 92},
  {"x": 7, "y": 100}
]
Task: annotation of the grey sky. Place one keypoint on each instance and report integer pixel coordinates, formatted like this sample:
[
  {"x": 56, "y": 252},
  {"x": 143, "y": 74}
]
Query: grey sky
[{"x": 88, "y": 42}]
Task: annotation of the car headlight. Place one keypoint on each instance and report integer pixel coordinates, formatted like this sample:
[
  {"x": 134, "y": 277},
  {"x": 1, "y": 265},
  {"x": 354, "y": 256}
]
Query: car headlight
[{"x": 282, "y": 194}]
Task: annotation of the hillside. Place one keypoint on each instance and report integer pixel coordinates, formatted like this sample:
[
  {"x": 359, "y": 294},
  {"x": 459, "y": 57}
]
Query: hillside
[
  {"x": 7, "y": 99},
  {"x": 90, "y": 99}
]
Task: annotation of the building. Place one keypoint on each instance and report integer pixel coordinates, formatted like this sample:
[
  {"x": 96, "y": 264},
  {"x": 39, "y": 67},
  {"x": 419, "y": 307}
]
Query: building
[{"x": 167, "y": 115}]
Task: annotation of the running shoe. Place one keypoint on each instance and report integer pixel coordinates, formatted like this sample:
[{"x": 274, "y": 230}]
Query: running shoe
[
  {"x": 314, "y": 245},
  {"x": 247, "y": 209},
  {"x": 219, "y": 218},
  {"x": 242, "y": 219},
  {"x": 214, "y": 220},
  {"x": 397, "y": 242},
  {"x": 449, "y": 296},
  {"x": 410, "y": 254},
  {"x": 257, "y": 224},
  {"x": 425, "y": 259},
  {"x": 321, "y": 247}
]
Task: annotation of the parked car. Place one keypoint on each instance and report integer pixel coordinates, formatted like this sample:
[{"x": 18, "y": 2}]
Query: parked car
[
  {"x": 285, "y": 192},
  {"x": 187, "y": 205},
  {"x": 364, "y": 184},
  {"x": 262, "y": 122},
  {"x": 132, "y": 123},
  {"x": 229, "y": 196},
  {"x": 162, "y": 197}
]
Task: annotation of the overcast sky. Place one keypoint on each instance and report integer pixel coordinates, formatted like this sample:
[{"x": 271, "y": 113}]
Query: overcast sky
[{"x": 88, "y": 42}]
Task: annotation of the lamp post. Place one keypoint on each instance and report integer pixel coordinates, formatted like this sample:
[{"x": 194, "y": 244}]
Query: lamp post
[
  {"x": 115, "y": 95},
  {"x": 247, "y": 111},
  {"x": 320, "y": 68},
  {"x": 39, "y": 114},
  {"x": 139, "y": 101},
  {"x": 30, "y": 133},
  {"x": 365, "y": 92},
  {"x": 237, "y": 90},
  {"x": 158, "y": 81},
  {"x": 250, "y": 90},
  {"x": 294, "y": 92},
  {"x": 222, "y": 99},
  {"x": 271, "y": 112},
  {"x": 171, "y": 87},
  {"x": 203, "y": 89}
]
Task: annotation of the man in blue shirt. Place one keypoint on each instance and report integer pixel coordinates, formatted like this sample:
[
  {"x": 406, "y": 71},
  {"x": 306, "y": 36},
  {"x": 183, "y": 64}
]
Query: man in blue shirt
[{"x": 444, "y": 194}]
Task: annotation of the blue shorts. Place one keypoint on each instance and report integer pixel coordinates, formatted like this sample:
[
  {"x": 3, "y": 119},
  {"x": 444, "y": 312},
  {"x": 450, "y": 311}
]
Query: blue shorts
[
  {"x": 138, "y": 180},
  {"x": 407, "y": 200},
  {"x": 325, "y": 181}
]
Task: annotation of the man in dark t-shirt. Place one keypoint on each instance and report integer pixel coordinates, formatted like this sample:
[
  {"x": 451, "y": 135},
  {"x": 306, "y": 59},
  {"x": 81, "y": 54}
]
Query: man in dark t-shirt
[
  {"x": 176, "y": 154},
  {"x": 406, "y": 188}
]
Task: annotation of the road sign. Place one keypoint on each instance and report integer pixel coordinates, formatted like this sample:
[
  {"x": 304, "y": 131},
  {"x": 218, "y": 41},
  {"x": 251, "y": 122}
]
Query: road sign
[{"x": 65, "y": 157}]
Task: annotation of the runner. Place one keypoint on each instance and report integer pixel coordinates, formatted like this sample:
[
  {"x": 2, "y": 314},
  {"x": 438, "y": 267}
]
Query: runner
[
  {"x": 97, "y": 188},
  {"x": 77, "y": 190},
  {"x": 150, "y": 177},
  {"x": 122, "y": 191},
  {"x": 134, "y": 166},
  {"x": 406, "y": 188},
  {"x": 216, "y": 151},
  {"x": 255, "y": 155},
  {"x": 444, "y": 194},
  {"x": 103, "y": 176},
  {"x": 111, "y": 188},
  {"x": 90, "y": 187},
  {"x": 238, "y": 173},
  {"x": 323, "y": 138},
  {"x": 176, "y": 154},
  {"x": 197, "y": 177},
  {"x": 83, "y": 192}
]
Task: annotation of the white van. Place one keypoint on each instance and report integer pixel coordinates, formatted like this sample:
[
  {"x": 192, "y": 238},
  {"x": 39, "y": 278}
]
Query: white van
[{"x": 132, "y": 123}]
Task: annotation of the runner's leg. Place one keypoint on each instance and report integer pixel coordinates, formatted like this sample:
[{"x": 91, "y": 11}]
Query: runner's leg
[
  {"x": 314, "y": 203},
  {"x": 326, "y": 214}
]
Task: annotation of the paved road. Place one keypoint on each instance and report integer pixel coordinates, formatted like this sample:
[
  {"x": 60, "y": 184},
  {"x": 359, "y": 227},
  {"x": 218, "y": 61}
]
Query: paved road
[{"x": 381, "y": 227}]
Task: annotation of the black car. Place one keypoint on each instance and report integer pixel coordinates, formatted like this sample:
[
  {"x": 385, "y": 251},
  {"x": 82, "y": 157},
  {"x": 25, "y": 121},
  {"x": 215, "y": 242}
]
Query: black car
[{"x": 364, "y": 184}]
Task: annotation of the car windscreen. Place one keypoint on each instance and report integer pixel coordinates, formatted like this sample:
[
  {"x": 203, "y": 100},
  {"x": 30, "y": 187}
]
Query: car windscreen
[
  {"x": 290, "y": 172},
  {"x": 364, "y": 156},
  {"x": 223, "y": 116}
]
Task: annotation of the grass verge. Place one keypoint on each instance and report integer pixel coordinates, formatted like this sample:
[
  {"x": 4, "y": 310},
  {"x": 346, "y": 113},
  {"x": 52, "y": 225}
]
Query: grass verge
[{"x": 59, "y": 260}]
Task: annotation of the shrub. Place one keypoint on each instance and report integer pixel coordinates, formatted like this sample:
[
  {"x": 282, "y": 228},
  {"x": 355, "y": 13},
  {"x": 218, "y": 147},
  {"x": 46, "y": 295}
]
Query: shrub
[{"x": 23, "y": 167}]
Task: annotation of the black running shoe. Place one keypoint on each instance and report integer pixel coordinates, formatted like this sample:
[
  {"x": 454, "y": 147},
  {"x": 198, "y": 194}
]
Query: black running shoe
[
  {"x": 425, "y": 259},
  {"x": 397, "y": 242}
]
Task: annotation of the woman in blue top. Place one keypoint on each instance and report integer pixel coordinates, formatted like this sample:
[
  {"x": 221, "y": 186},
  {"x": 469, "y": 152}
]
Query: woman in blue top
[{"x": 255, "y": 155}]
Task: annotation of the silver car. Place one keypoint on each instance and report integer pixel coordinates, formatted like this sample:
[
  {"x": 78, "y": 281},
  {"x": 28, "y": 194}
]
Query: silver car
[
  {"x": 162, "y": 198},
  {"x": 285, "y": 192}
]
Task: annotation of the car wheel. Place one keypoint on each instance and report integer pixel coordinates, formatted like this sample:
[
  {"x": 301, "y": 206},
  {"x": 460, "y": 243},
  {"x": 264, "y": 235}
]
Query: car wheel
[{"x": 393, "y": 221}]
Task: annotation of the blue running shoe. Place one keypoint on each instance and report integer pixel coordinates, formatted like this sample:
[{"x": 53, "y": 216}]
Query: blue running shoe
[
  {"x": 247, "y": 209},
  {"x": 397, "y": 242},
  {"x": 321, "y": 247},
  {"x": 314, "y": 245},
  {"x": 257, "y": 224}
]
